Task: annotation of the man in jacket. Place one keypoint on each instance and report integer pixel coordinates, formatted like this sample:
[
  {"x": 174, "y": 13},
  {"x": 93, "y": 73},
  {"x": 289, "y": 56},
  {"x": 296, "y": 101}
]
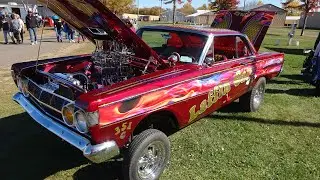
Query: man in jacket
[
  {"x": 6, "y": 27},
  {"x": 31, "y": 23}
]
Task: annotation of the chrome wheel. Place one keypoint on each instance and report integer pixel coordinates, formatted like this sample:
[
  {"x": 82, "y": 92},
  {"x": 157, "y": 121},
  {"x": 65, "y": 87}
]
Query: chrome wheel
[
  {"x": 258, "y": 96},
  {"x": 152, "y": 160}
]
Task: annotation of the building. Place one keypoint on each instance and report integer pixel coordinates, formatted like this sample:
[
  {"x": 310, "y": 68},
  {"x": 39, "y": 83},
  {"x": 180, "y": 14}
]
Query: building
[
  {"x": 12, "y": 7},
  {"x": 202, "y": 17},
  {"x": 167, "y": 16},
  {"x": 292, "y": 20},
  {"x": 312, "y": 21},
  {"x": 140, "y": 17},
  {"x": 278, "y": 20}
]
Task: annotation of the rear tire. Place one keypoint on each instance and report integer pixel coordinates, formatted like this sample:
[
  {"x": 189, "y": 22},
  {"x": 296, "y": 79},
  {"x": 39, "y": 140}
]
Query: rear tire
[
  {"x": 147, "y": 156},
  {"x": 318, "y": 88},
  {"x": 252, "y": 100}
]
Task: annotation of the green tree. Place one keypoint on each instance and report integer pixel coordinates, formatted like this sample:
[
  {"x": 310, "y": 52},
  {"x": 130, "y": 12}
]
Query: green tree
[
  {"x": 187, "y": 9},
  {"x": 203, "y": 7},
  {"x": 307, "y": 7},
  {"x": 118, "y": 6},
  {"x": 224, "y": 4},
  {"x": 292, "y": 8}
]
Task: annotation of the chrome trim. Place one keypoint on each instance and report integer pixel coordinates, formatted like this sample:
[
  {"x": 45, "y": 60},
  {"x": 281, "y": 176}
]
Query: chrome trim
[
  {"x": 62, "y": 81},
  {"x": 43, "y": 89},
  {"x": 206, "y": 49},
  {"x": 96, "y": 153}
]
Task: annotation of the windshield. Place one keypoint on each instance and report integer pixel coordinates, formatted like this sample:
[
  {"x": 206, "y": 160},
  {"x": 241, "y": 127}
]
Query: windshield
[{"x": 189, "y": 46}]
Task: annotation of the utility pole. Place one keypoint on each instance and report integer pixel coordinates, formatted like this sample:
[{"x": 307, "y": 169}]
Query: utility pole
[
  {"x": 174, "y": 11},
  {"x": 160, "y": 11},
  {"x": 138, "y": 3},
  {"x": 244, "y": 5}
]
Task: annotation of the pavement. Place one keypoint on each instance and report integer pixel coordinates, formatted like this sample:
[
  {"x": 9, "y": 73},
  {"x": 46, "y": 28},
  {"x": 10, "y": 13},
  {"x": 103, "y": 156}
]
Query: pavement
[{"x": 13, "y": 53}]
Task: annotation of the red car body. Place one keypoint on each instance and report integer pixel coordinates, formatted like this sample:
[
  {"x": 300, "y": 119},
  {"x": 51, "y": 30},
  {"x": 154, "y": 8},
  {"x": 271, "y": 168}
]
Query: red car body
[{"x": 183, "y": 92}]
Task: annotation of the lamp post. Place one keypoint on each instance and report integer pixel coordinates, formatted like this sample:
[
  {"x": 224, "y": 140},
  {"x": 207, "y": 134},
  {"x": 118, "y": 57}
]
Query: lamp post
[{"x": 138, "y": 4}]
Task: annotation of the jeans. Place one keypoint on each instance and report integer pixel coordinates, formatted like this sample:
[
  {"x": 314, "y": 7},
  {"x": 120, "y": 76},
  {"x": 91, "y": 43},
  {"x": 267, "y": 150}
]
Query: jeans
[
  {"x": 70, "y": 35},
  {"x": 59, "y": 35},
  {"x": 21, "y": 35},
  {"x": 5, "y": 34},
  {"x": 33, "y": 34}
]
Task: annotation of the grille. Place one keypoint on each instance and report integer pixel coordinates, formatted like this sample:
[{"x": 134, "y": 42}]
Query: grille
[{"x": 49, "y": 102}]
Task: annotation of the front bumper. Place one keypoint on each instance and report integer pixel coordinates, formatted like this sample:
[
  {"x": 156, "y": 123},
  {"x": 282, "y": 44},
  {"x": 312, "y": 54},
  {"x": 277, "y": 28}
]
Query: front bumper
[{"x": 96, "y": 153}]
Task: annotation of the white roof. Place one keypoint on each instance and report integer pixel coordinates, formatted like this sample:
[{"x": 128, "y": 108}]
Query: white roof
[
  {"x": 198, "y": 13},
  {"x": 292, "y": 18}
]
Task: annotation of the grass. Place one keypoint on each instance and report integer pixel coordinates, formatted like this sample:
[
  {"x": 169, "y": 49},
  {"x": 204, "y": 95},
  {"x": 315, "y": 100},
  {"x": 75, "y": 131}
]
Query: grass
[{"x": 280, "y": 141}]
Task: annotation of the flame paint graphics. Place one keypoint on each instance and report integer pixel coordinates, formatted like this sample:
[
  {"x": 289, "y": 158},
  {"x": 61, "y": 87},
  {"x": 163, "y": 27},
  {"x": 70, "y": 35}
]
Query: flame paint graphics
[{"x": 158, "y": 99}]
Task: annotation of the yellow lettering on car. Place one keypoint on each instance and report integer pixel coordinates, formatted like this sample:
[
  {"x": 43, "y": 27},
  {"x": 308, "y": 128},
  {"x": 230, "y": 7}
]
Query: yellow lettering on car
[
  {"x": 242, "y": 77},
  {"x": 121, "y": 131},
  {"x": 213, "y": 96}
]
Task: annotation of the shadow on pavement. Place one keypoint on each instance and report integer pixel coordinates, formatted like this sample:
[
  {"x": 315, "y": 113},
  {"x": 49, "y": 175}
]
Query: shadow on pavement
[{"x": 29, "y": 151}]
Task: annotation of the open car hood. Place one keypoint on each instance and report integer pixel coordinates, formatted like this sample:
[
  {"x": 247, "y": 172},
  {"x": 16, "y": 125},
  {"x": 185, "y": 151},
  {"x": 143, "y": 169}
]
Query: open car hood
[
  {"x": 96, "y": 21},
  {"x": 254, "y": 24}
]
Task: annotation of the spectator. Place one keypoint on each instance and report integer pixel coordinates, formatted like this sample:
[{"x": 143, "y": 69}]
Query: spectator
[
  {"x": 130, "y": 25},
  {"x": 80, "y": 36},
  {"x": 6, "y": 27},
  {"x": 16, "y": 28},
  {"x": 32, "y": 24},
  {"x": 1, "y": 19},
  {"x": 58, "y": 28},
  {"x": 69, "y": 31},
  {"x": 22, "y": 29}
]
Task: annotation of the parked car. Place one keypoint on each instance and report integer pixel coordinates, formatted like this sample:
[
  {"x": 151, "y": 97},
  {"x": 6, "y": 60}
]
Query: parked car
[
  {"x": 311, "y": 68},
  {"x": 136, "y": 89}
]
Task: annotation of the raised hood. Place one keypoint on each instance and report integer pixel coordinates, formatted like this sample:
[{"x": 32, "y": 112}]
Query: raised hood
[
  {"x": 95, "y": 21},
  {"x": 254, "y": 24}
]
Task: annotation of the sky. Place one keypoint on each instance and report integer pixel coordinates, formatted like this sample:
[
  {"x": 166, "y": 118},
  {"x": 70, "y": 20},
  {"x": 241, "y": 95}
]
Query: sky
[{"x": 195, "y": 3}]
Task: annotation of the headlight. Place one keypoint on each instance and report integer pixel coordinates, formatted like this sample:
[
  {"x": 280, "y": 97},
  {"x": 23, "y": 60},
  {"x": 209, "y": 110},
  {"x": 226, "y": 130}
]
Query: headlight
[
  {"x": 81, "y": 121},
  {"x": 68, "y": 114},
  {"x": 23, "y": 86}
]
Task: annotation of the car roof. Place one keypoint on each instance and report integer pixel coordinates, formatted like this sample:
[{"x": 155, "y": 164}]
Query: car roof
[{"x": 193, "y": 29}]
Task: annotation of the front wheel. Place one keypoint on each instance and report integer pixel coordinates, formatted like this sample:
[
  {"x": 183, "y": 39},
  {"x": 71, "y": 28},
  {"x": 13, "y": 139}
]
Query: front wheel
[
  {"x": 148, "y": 155},
  {"x": 252, "y": 100}
]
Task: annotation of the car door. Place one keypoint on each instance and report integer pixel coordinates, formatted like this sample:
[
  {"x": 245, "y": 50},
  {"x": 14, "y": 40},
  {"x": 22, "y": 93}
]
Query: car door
[{"x": 230, "y": 73}]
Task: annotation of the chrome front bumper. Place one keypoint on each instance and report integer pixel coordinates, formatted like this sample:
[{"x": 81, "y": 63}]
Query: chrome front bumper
[{"x": 96, "y": 153}]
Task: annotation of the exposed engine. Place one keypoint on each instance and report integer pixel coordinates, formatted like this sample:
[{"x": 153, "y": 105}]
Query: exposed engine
[{"x": 112, "y": 67}]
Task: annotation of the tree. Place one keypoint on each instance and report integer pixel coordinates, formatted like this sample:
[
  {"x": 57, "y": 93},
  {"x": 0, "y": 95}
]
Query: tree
[
  {"x": 187, "y": 9},
  {"x": 292, "y": 8},
  {"x": 203, "y": 7},
  {"x": 118, "y": 6},
  {"x": 307, "y": 7},
  {"x": 224, "y": 4},
  {"x": 260, "y": 3},
  {"x": 174, "y": 3}
]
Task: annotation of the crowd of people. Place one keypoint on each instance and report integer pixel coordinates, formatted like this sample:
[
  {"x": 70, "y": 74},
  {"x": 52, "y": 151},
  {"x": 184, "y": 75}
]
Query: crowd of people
[
  {"x": 13, "y": 27},
  {"x": 61, "y": 27}
]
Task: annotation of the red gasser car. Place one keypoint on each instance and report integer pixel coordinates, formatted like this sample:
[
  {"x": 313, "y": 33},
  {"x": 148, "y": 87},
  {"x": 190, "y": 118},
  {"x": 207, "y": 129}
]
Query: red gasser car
[{"x": 135, "y": 89}]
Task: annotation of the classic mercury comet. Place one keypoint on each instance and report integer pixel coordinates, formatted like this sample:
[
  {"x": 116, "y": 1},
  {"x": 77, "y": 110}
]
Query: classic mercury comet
[{"x": 135, "y": 89}]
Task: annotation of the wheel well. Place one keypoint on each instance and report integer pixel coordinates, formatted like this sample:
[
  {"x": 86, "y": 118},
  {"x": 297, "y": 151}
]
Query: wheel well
[{"x": 164, "y": 121}]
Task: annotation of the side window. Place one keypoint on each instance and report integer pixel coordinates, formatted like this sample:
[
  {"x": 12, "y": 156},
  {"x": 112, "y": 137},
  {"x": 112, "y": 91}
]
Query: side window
[
  {"x": 242, "y": 48},
  {"x": 224, "y": 48},
  {"x": 228, "y": 47}
]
